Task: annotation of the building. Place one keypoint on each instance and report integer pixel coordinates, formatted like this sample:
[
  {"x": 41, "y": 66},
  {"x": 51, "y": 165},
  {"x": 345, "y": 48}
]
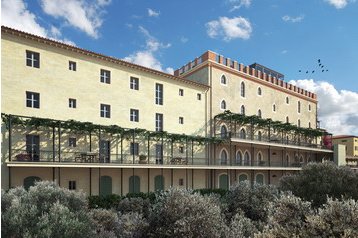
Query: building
[
  {"x": 103, "y": 125},
  {"x": 350, "y": 142}
]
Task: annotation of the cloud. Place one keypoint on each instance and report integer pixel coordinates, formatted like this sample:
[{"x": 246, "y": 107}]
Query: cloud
[
  {"x": 237, "y": 4},
  {"x": 288, "y": 18},
  {"x": 229, "y": 28},
  {"x": 83, "y": 15},
  {"x": 337, "y": 110},
  {"x": 15, "y": 14},
  {"x": 146, "y": 57},
  {"x": 284, "y": 52},
  {"x": 153, "y": 13},
  {"x": 339, "y": 4},
  {"x": 184, "y": 39}
]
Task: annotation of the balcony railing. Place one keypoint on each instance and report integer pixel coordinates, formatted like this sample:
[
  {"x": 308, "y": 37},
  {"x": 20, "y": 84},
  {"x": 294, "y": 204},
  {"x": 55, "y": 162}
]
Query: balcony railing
[
  {"x": 261, "y": 163},
  {"x": 272, "y": 139}
]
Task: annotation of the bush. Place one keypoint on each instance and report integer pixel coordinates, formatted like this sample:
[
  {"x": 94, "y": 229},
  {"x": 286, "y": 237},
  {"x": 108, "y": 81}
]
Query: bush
[
  {"x": 45, "y": 210},
  {"x": 106, "y": 222},
  {"x": 207, "y": 191},
  {"x": 132, "y": 225},
  {"x": 241, "y": 226},
  {"x": 181, "y": 213},
  {"x": 135, "y": 204},
  {"x": 106, "y": 202},
  {"x": 251, "y": 200},
  {"x": 316, "y": 181},
  {"x": 334, "y": 219}
]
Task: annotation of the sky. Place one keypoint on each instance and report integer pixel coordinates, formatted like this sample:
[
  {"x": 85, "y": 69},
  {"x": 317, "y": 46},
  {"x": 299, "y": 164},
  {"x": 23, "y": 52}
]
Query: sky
[{"x": 290, "y": 36}]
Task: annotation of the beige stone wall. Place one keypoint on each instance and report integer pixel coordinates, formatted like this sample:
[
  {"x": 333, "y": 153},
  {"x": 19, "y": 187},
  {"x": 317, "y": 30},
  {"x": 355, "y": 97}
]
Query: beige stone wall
[
  {"x": 56, "y": 84},
  {"x": 351, "y": 144}
]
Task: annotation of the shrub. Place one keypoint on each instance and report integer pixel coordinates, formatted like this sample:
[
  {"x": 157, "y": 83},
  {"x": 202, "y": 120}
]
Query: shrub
[
  {"x": 132, "y": 225},
  {"x": 106, "y": 202},
  {"x": 206, "y": 191},
  {"x": 135, "y": 204},
  {"x": 251, "y": 200},
  {"x": 45, "y": 210},
  {"x": 316, "y": 181},
  {"x": 181, "y": 213},
  {"x": 106, "y": 222},
  {"x": 241, "y": 226},
  {"x": 334, "y": 219}
]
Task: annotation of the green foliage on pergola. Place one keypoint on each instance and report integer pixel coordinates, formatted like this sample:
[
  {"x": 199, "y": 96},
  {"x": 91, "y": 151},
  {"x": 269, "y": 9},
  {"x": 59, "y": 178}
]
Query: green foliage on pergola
[
  {"x": 254, "y": 120},
  {"x": 89, "y": 127}
]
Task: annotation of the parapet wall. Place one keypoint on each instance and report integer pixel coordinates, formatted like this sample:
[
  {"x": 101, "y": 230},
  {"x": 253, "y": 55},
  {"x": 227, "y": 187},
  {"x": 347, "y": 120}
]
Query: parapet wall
[{"x": 209, "y": 55}]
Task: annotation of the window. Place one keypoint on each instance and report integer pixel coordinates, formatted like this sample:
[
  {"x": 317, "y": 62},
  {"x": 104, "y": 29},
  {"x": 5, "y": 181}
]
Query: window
[
  {"x": 32, "y": 59},
  {"x": 181, "y": 92},
  {"x": 134, "y": 83},
  {"x": 259, "y": 114},
  {"x": 158, "y": 122},
  {"x": 181, "y": 120},
  {"x": 72, "y": 185},
  {"x": 309, "y": 124},
  {"x": 259, "y": 91},
  {"x": 242, "y": 110},
  {"x": 159, "y": 94},
  {"x": 274, "y": 107},
  {"x": 223, "y": 157},
  {"x": 238, "y": 158},
  {"x": 181, "y": 182},
  {"x": 287, "y": 100},
  {"x": 223, "y": 105},
  {"x": 287, "y": 120},
  {"x": 72, "y": 103},
  {"x": 32, "y": 99},
  {"x": 299, "y": 123},
  {"x": 223, "y": 80},
  {"x": 309, "y": 107},
  {"x": 72, "y": 142},
  {"x": 105, "y": 76},
  {"x": 181, "y": 149},
  {"x": 134, "y": 115},
  {"x": 299, "y": 107},
  {"x": 105, "y": 110},
  {"x": 242, "y": 133},
  {"x": 223, "y": 132},
  {"x": 242, "y": 89},
  {"x": 259, "y": 135},
  {"x": 72, "y": 65},
  {"x": 134, "y": 148},
  {"x": 198, "y": 96}
]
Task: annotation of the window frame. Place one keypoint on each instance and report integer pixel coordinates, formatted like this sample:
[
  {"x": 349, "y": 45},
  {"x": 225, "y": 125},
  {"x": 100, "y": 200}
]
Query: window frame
[
  {"x": 134, "y": 115},
  {"x": 159, "y": 125},
  {"x": 105, "y": 110},
  {"x": 72, "y": 142},
  {"x": 72, "y": 65},
  {"x": 72, "y": 185},
  {"x": 34, "y": 100},
  {"x": 134, "y": 83},
  {"x": 181, "y": 92},
  {"x": 159, "y": 94},
  {"x": 33, "y": 61},
  {"x": 104, "y": 78},
  {"x": 134, "y": 148},
  {"x": 181, "y": 120},
  {"x": 72, "y": 103}
]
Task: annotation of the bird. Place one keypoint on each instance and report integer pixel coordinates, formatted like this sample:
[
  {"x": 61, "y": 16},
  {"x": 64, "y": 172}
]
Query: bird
[
  {"x": 307, "y": 72},
  {"x": 319, "y": 60},
  {"x": 319, "y": 64},
  {"x": 322, "y": 66},
  {"x": 326, "y": 70},
  {"x": 322, "y": 70},
  {"x": 312, "y": 71},
  {"x": 299, "y": 71}
]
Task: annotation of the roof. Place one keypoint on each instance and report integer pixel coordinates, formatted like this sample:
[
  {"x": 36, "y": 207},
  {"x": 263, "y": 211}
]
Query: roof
[
  {"x": 343, "y": 136},
  {"x": 8, "y": 30}
]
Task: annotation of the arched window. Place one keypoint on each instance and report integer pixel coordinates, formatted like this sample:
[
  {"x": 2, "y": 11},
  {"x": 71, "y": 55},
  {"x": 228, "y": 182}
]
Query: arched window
[
  {"x": 259, "y": 135},
  {"x": 242, "y": 110},
  {"x": 259, "y": 114},
  {"x": 287, "y": 100},
  {"x": 239, "y": 158},
  {"x": 224, "y": 181},
  {"x": 242, "y": 133},
  {"x": 260, "y": 178},
  {"x": 158, "y": 183},
  {"x": 242, "y": 177},
  {"x": 242, "y": 89},
  {"x": 134, "y": 184},
  {"x": 246, "y": 158},
  {"x": 287, "y": 160},
  {"x": 299, "y": 107},
  {"x": 259, "y": 91},
  {"x": 287, "y": 120},
  {"x": 274, "y": 107},
  {"x": 223, "y": 131},
  {"x": 299, "y": 123},
  {"x": 223, "y": 105},
  {"x": 105, "y": 186},
  {"x": 223, "y": 157},
  {"x": 30, "y": 181},
  {"x": 309, "y": 124},
  {"x": 260, "y": 161},
  {"x": 223, "y": 80}
]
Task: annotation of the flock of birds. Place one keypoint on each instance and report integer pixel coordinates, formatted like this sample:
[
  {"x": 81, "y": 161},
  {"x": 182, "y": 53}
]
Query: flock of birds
[{"x": 320, "y": 68}]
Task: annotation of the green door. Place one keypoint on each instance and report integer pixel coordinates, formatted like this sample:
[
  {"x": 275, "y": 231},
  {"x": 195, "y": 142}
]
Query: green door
[
  {"x": 159, "y": 183},
  {"x": 134, "y": 184},
  {"x": 105, "y": 186},
  {"x": 223, "y": 181},
  {"x": 30, "y": 181}
]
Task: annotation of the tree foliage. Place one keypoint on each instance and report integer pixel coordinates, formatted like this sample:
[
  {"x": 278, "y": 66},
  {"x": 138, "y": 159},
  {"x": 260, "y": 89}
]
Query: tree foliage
[{"x": 317, "y": 181}]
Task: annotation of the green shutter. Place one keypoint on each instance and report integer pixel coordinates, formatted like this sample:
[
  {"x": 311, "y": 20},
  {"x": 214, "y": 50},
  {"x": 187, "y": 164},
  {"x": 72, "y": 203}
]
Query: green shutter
[
  {"x": 30, "y": 181},
  {"x": 134, "y": 184},
  {"x": 159, "y": 183},
  {"x": 242, "y": 177},
  {"x": 223, "y": 181},
  {"x": 105, "y": 186}
]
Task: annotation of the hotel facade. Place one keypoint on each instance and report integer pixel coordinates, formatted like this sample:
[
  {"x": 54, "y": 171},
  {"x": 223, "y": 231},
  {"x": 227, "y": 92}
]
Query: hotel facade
[{"x": 102, "y": 125}]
